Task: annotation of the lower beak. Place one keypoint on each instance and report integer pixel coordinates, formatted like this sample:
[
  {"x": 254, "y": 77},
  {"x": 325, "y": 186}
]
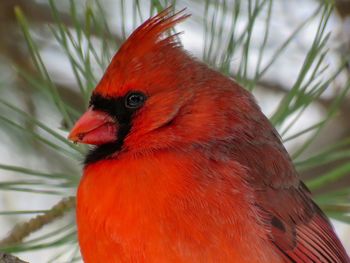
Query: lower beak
[{"x": 94, "y": 127}]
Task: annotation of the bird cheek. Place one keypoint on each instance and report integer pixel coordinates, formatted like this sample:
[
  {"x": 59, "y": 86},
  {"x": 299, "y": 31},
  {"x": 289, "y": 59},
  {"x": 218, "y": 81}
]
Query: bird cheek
[{"x": 94, "y": 127}]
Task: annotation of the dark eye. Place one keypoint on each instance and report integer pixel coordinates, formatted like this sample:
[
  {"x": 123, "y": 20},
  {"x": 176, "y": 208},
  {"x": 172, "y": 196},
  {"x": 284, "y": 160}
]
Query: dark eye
[{"x": 135, "y": 100}]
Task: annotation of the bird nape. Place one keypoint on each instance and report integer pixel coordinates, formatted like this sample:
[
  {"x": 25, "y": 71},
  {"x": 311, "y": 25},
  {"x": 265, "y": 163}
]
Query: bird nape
[{"x": 186, "y": 168}]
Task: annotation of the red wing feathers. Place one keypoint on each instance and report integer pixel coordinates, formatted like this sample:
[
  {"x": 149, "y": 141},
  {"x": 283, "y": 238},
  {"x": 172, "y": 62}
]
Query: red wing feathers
[
  {"x": 296, "y": 225},
  {"x": 307, "y": 238}
]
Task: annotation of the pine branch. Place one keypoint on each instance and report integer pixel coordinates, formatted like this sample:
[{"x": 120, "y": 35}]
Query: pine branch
[
  {"x": 7, "y": 258},
  {"x": 21, "y": 231}
]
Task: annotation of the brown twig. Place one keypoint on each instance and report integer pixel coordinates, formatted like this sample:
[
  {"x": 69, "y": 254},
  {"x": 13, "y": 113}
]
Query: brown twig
[
  {"x": 22, "y": 230},
  {"x": 6, "y": 258}
]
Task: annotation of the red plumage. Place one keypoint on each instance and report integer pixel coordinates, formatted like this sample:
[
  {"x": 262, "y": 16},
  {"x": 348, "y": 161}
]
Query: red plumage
[{"x": 188, "y": 169}]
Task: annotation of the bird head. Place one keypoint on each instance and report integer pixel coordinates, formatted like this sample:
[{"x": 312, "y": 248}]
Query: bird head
[{"x": 155, "y": 95}]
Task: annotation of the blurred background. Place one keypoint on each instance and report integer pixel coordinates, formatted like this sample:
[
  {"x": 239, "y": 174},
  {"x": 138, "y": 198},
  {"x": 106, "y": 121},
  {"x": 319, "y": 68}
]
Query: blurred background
[{"x": 293, "y": 55}]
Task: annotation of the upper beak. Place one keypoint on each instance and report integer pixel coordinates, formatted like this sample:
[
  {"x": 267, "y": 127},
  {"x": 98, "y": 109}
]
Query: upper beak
[{"x": 94, "y": 127}]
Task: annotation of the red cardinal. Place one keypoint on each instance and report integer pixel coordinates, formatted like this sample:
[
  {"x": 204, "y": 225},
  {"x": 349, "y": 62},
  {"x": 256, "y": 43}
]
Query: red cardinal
[{"x": 187, "y": 168}]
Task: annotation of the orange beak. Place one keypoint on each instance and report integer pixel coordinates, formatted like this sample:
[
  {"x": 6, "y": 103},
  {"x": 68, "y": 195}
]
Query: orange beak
[{"x": 94, "y": 127}]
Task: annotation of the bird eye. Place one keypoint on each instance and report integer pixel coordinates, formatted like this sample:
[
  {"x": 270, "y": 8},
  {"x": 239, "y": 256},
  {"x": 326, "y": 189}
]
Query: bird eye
[{"x": 135, "y": 100}]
